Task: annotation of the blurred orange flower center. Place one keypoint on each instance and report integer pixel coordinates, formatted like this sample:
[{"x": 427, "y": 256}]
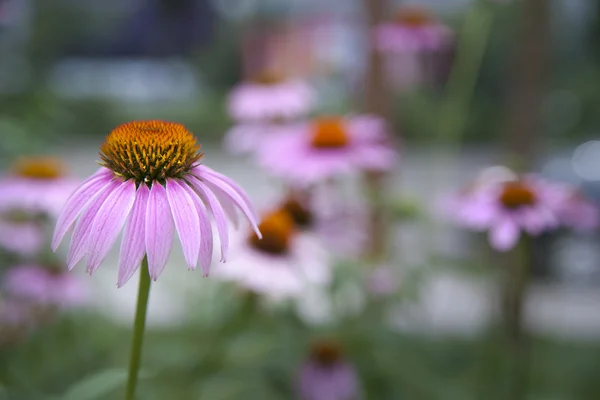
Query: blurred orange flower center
[
  {"x": 517, "y": 194},
  {"x": 300, "y": 214},
  {"x": 277, "y": 229},
  {"x": 326, "y": 352},
  {"x": 149, "y": 151},
  {"x": 268, "y": 78},
  {"x": 329, "y": 133},
  {"x": 414, "y": 16},
  {"x": 43, "y": 168}
]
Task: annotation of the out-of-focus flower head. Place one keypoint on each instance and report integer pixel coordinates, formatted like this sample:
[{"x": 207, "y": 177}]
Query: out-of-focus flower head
[
  {"x": 24, "y": 238},
  {"x": 281, "y": 265},
  {"x": 577, "y": 212},
  {"x": 507, "y": 207},
  {"x": 36, "y": 186},
  {"x": 152, "y": 182},
  {"x": 41, "y": 286},
  {"x": 414, "y": 29},
  {"x": 270, "y": 96},
  {"x": 383, "y": 281},
  {"x": 326, "y": 374},
  {"x": 308, "y": 153}
]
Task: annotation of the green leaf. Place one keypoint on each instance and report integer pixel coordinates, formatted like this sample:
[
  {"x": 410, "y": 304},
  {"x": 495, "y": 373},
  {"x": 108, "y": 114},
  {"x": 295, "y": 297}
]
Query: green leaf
[{"x": 98, "y": 385}]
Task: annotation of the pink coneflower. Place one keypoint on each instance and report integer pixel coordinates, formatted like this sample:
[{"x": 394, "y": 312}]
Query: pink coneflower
[
  {"x": 505, "y": 209},
  {"x": 23, "y": 238},
  {"x": 413, "y": 30},
  {"x": 577, "y": 212},
  {"x": 270, "y": 97},
  {"x": 326, "y": 375},
  {"x": 279, "y": 266},
  {"x": 40, "y": 286},
  {"x": 152, "y": 183},
  {"x": 36, "y": 186},
  {"x": 328, "y": 147}
]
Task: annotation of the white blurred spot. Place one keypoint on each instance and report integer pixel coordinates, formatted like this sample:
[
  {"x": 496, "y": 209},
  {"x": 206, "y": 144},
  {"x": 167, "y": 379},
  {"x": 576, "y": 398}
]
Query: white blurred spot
[{"x": 586, "y": 160}]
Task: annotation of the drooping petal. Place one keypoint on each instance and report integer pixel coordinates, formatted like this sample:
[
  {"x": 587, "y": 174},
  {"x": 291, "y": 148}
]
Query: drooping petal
[
  {"x": 77, "y": 202},
  {"x": 186, "y": 221},
  {"x": 206, "y": 238},
  {"x": 218, "y": 213},
  {"x": 504, "y": 235},
  {"x": 159, "y": 230},
  {"x": 108, "y": 223},
  {"x": 218, "y": 185},
  {"x": 206, "y": 170},
  {"x": 133, "y": 244},
  {"x": 83, "y": 228}
]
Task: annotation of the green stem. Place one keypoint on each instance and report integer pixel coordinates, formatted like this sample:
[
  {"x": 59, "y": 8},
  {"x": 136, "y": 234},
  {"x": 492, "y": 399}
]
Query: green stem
[
  {"x": 472, "y": 43},
  {"x": 138, "y": 330}
]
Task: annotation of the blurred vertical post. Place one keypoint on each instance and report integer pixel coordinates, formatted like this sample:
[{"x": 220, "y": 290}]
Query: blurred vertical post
[
  {"x": 375, "y": 102},
  {"x": 529, "y": 77}
]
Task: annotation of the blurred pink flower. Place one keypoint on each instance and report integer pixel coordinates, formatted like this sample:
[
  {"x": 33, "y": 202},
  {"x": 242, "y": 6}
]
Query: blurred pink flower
[
  {"x": 578, "y": 213},
  {"x": 308, "y": 153},
  {"x": 326, "y": 375},
  {"x": 269, "y": 98},
  {"x": 21, "y": 238},
  {"x": 36, "y": 185},
  {"x": 39, "y": 286},
  {"x": 505, "y": 209},
  {"x": 414, "y": 30},
  {"x": 281, "y": 265},
  {"x": 383, "y": 281},
  {"x": 151, "y": 182}
]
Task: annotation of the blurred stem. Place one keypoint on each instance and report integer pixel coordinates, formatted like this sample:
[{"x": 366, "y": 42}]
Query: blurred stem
[
  {"x": 376, "y": 102},
  {"x": 139, "y": 327},
  {"x": 518, "y": 272},
  {"x": 472, "y": 43},
  {"x": 528, "y": 82}
]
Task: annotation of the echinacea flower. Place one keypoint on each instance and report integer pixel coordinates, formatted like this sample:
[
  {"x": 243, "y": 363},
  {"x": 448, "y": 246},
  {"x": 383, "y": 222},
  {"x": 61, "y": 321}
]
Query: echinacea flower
[
  {"x": 23, "y": 238},
  {"x": 309, "y": 153},
  {"x": 270, "y": 97},
  {"x": 281, "y": 265},
  {"x": 152, "y": 183},
  {"x": 577, "y": 212},
  {"x": 36, "y": 186},
  {"x": 326, "y": 375},
  {"x": 505, "y": 209},
  {"x": 413, "y": 30},
  {"x": 46, "y": 287}
]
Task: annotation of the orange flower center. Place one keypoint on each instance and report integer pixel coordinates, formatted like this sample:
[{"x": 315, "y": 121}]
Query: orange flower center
[
  {"x": 300, "y": 214},
  {"x": 516, "y": 194},
  {"x": 268, "y": 78},
  {"x": 277, "y": 229},
  {"x": 149, "y": 151},
  {"x": 329, "y": 133},
  {"x": 326, "y": 352},
  {"x": 43, "y": 168},
  {"x": 414, "y": 16}
]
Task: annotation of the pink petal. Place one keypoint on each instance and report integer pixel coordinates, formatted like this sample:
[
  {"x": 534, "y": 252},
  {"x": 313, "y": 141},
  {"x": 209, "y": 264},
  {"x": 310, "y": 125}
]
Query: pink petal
[
  {"x": 77, "y": 202},
  {"x": 217, "y": 210},
  {"x": 218, "y": 185},
  {"x": 159, "y": 230},
  {"x": 81, "y": 234},
  {"x": 206, "y": 238},
  {"x": 206, "y": 170},
  {"x": 108, "y": 223},
  {"x": 186, "y": 221},
  {"x": 133, "y": 245},
  {"x": 504, "y": 235}
]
